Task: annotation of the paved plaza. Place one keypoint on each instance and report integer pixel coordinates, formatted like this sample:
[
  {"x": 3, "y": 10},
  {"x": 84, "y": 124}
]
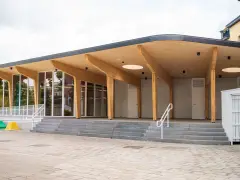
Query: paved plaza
[{"x": 25, "y": 155}]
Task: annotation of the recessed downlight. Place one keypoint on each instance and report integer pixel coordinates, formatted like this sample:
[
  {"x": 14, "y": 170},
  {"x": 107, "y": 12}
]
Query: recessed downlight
[
  {"x": 132, "y": 67},
  {"x": 231, "y": 70}
]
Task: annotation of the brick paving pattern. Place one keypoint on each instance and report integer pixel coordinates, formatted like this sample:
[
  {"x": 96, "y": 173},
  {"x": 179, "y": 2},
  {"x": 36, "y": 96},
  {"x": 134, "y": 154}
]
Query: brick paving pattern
[{"x": 33, "y": 156}]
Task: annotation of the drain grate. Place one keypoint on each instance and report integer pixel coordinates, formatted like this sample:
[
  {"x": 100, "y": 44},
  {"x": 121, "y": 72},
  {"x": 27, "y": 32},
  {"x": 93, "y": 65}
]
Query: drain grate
[
  {"x": 5, "y": 140},
  {"x": 40, "y": 145},
  {"x": 174, "y": 148},
  {"x": 133, "y": 147}
]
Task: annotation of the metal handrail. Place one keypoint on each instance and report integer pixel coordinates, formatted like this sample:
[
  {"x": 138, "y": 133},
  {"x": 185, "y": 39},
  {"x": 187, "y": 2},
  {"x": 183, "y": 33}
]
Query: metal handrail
[
  {"x": 163, "y": 118},
  {"x": 38, "y": 114}
]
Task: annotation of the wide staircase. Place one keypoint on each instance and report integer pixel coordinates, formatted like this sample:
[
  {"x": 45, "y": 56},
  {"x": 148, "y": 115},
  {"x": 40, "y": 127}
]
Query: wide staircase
[{"x": 177, "y": 132}]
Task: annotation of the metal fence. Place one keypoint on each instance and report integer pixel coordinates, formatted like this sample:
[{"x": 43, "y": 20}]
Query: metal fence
[{"x": 19, "y": 110}]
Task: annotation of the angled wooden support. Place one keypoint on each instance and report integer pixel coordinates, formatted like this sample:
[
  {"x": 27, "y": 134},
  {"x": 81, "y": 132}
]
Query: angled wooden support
[
  {"x": 154, "y": 67},
  {"x": 80, "y": 74},
  {"x": 211, "y": 78},
  {"x": 157, "y": 71},
  {"x": 113, "y": 72},
  {"x": 34, "y": 76},
  {"x": 8, "y": 78}
]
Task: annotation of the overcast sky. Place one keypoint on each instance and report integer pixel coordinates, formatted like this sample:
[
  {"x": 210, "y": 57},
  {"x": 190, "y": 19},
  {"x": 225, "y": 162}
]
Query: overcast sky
[{"x": 32, "y": 28}]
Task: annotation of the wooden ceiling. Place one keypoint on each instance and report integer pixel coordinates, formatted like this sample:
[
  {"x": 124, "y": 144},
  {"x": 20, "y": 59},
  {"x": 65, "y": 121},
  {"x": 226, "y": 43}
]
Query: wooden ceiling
[{"x": 174, "y": 56}]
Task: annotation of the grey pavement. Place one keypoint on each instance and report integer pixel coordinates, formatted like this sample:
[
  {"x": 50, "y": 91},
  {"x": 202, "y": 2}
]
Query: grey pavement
[{"x": 25, "y": 155}]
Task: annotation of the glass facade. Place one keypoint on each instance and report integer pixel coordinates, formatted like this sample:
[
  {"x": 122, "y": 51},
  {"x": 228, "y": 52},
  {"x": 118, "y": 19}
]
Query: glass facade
[
  {"x": 48, "y": 94},
  {"x": 56, "y": 91},
  {"x": 68, "y": 95},
  {"x": 90, "y": 99},
  {"x": 6, "y": 94}
]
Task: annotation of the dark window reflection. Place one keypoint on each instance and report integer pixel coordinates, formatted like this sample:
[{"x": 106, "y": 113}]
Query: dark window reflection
[{"x": 68, "y": 95}]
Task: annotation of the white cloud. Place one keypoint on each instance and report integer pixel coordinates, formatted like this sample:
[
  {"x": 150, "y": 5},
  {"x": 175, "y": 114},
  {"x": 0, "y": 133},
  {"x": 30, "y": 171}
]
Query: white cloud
[{"x": 41, "y": 27}]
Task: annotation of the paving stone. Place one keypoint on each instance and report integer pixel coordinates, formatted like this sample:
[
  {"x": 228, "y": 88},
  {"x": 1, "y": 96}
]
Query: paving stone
[{"x": 51, "y": 156}]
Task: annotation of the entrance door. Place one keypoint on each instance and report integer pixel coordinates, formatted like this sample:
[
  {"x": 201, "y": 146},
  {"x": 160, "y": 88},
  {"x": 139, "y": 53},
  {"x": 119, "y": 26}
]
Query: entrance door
[
  {"x": 132, "y": 102},
  {"x": 198, "y": 98}
]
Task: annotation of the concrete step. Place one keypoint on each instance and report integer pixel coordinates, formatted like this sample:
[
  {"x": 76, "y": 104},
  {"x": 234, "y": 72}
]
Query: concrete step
[
  {"x": 191, "y": 137},
  {"x": 197, "y": 133},
  {"x": 189, "y": 129},
  {"x": 187, "y": 141}
]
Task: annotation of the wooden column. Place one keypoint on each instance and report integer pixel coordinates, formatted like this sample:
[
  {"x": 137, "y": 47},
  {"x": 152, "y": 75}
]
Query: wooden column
[
  {"x": 36, "y": 84},
  {"x": 213, "y": 96},
  {"x": 206, "y": 101},
  {"x": 110, "y": 96},
  {"x": 211, "y": 79},
  {"x": 171, "y": 100},
  {"x": 77, "y": 97},
  {"x": 139, "y": 101},
  {"x": 154, "y": 96}
]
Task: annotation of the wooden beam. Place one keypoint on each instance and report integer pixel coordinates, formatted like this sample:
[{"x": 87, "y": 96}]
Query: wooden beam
[
  {"x": 154, "y": 96},
  {"x": 80, "y": 74},
  {"x": 139, "y": 101},
  {"x": 211, "y": 78},
  {"x": 77, "y": 97},
  {"x": 34, "y": 76},
  {"x": 154, "y": 67},
  {"x": 212, "y": 64},
  {"x": 110, "y": 96},
  {"x": 112, "y": 71},
  {"x": 5, "y": 76},
  {"x": 213, "y": 96},
  {"x": 8, "y": 78}
]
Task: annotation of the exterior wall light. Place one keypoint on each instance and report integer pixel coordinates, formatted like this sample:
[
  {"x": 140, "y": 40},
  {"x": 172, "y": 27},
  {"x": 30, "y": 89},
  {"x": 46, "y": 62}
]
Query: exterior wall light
[
  {"x": 231, "y": 70},
  {"x": 132, "y": 67}
]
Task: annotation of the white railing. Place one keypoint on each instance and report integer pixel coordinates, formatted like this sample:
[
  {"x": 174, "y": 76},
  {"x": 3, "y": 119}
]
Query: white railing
[
  {"x": 23, "y": 114},
  {"x": 164, "y": 117},
  {"x": 37, "y": 115},
  {"x": 17, "y": 111},
  {"x": 231, "y": 114}
]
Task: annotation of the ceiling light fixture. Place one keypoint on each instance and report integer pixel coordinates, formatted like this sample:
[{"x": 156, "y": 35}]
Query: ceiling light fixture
[
  {"x": 231, "y": 70},
  {"x": 132, "y": 67}
]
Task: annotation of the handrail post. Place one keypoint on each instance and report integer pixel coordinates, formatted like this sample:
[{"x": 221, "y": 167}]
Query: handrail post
[
  {"x": 162, "y": 131},
  {"x": 168, "y": 118}
]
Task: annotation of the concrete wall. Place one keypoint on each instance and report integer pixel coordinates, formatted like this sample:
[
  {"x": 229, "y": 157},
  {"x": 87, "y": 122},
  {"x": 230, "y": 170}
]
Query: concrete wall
[
  {"x": 182, "y": 97},
  {"x": 223, "y": 84},
  {"x": 120, "y": 99}
]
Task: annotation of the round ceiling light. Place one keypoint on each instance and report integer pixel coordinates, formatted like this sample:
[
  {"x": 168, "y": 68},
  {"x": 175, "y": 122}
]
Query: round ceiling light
[
  {"x": 132, "y": 67},
  {"x": 231, "y": 70}
]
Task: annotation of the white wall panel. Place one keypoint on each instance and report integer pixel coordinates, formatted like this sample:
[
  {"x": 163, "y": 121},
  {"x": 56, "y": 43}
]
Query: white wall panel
[{"x": 120, "y": 99}]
